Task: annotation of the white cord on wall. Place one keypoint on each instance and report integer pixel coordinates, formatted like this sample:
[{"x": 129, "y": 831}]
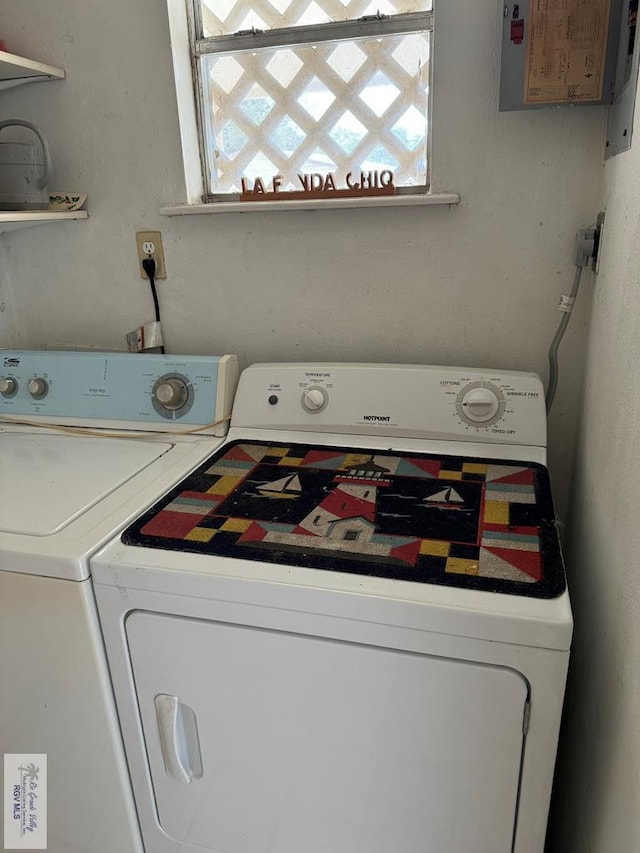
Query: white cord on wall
[
  {"x": 586, "y": 249},
  {"x": 566, "y": 306}
]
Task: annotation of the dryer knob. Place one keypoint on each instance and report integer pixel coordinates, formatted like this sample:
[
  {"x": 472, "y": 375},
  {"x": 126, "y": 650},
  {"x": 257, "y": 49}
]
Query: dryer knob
[
  {"x": 171, "y": 394},
  {"x": 38, "y": 388},
  {"x": 8, "y": 386},
  {"x": 480, "y": 404},
  {"x": 314, "y": 399}
]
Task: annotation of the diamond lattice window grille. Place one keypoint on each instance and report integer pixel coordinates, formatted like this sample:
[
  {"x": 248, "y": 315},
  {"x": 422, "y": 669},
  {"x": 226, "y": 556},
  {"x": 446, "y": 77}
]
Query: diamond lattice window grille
[
  {"x": 318, "y": 162},
  {"x": 379, "y": 159},
  {"x": 223, "y": 17},
  {"x": 379, "y": 93},
  {"x": 257, "y": 104},
  {"x": 316, "y": 98},
  {"x": 313, "y": 14},
  {"x": 233, "y": 140},
  {"x": 346, "y": 104},
  {"x": 346, "y": 60},
  {"x": 287, "y": 136},
  {"x": 228, "y": 72},
  {"x": 283, "y": 66},
  {"x": 348, "y": 132},
  {"x": 260, "y": 167},
  {"x": 411, "y": 128}
]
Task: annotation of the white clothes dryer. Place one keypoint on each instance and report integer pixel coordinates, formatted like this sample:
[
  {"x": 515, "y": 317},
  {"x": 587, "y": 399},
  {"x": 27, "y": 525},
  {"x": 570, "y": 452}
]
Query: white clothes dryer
[
  {"x": 86, "y": 440},
  {"x": 348, "y": 630}
]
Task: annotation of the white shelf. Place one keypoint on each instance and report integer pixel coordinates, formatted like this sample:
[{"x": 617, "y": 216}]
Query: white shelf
[
  {"x": 11, "y": 220},
  {"x": 16, "y": 70}
]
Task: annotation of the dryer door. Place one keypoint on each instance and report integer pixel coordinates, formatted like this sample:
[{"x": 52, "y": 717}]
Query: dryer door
[{"x": 261, "y": 741}]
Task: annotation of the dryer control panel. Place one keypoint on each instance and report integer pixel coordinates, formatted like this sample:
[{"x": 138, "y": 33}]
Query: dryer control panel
[
  {"x": 120, "y": 390},
  {"x": 414, "y": 401}
]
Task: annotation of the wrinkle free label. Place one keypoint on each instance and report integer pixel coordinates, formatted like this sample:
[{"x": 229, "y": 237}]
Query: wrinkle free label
[{"x": 25, "y": 802}]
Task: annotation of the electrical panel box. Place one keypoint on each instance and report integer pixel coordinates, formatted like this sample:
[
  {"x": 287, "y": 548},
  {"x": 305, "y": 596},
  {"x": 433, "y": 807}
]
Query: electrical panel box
[
  {"x": 559, "y": 52},
  {"x": 620, "y": 125}
]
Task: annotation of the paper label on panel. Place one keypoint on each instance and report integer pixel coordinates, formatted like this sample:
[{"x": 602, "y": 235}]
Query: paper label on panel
[{"x": 566, "y": 51}]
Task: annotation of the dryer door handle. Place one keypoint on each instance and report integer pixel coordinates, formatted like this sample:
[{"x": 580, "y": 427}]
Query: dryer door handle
[{"x": 179, "y": 742}]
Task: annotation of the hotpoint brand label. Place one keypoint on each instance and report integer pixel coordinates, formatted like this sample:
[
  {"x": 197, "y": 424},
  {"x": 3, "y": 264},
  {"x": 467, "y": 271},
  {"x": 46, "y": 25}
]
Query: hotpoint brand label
[{"x": 376, "y": 420}]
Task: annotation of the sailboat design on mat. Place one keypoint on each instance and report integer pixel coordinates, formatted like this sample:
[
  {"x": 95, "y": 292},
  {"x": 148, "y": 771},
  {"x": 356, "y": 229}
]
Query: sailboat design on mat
[
  {"x": 445, "y": 499},
  {"x": 286, "y": 487}
]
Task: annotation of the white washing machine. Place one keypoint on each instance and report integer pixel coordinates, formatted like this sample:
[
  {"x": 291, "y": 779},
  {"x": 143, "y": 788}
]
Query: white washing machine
[
  {"x": 63, "y": 494},
  {"x": 348, "y": 630}
]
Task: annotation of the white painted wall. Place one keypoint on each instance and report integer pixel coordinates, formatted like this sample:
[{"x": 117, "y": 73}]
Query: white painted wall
[
  {"x": 598, "y": 789},
  {"x": 476, "y": 285},
  {"x": 8, "y": 328}
]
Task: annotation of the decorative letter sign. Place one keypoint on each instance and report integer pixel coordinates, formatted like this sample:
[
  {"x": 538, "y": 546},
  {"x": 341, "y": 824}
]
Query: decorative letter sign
[{"x": 317, "y": 186}]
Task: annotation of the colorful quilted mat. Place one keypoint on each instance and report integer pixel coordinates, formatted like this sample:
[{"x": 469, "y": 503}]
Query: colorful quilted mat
[{"x": 474, "y": 523}]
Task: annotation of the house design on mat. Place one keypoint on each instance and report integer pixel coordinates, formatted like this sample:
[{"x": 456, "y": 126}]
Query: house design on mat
[{"x": 344, "y": 521}]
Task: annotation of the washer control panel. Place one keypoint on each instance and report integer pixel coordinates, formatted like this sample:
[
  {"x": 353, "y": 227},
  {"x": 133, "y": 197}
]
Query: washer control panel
[
  {"x": 415, "y": 401},
  {"x": 127, "y": 390}
]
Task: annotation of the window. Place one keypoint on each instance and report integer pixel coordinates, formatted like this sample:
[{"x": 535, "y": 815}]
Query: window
[
  {"x": 296, "y": 96},
  {"x": 351, "y": 535}
]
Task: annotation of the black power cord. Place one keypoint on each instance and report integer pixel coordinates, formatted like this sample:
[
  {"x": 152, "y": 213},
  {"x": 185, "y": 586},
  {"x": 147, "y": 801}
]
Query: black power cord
[{"x": 149, "y": 267}]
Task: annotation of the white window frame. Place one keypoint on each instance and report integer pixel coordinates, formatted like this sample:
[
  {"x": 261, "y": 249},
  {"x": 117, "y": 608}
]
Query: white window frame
[{"x": 185, "y": 74}]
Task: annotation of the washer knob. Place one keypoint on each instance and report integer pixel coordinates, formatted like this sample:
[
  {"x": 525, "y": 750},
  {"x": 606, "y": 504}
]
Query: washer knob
[
  {"x": 8, "y": 386},
  {"x": 38, "y": 388},
  {"x": 172, "y": 394},
  {"x": 314, "y": 399},
  {"x": 480, "y": 404}
]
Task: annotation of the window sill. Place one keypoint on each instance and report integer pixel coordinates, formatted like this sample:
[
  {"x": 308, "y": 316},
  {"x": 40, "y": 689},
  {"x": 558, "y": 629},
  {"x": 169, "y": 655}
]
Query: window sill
[{"x": 312, "y": 204}]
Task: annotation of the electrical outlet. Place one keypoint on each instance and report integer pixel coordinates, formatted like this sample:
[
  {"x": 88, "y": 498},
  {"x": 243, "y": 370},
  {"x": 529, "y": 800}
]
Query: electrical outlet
[
  {"x": 149, "y": 245},
  {"x": 595, "y": 263}
]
